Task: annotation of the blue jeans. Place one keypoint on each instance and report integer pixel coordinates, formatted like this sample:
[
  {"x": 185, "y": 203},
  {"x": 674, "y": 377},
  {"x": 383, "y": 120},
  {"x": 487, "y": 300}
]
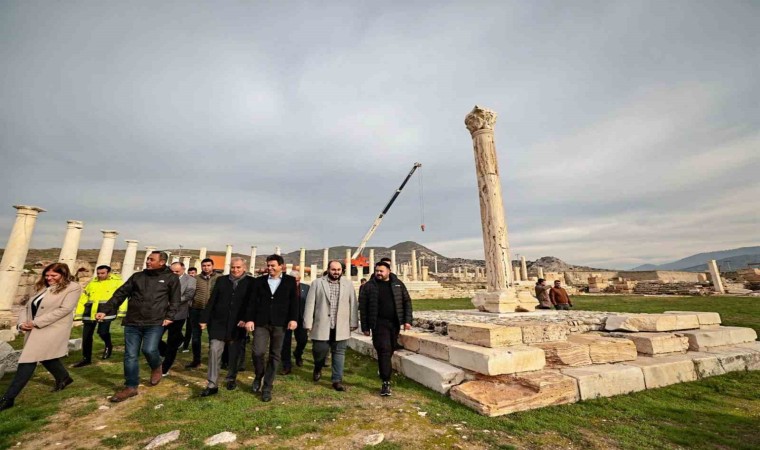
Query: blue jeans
[
  {"x": 138, "y": 338},
  {"x": 319, "y": 350}
]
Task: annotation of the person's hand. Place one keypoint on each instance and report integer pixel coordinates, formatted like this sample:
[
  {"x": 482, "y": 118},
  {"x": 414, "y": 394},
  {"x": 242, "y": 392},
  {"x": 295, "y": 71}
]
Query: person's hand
[
  {"x": 366, "y": 333},
  {"x": 249, "y": 326},
  {"x": 292, "y": 325},
  {"x": 26, "y": 326},
  {"x": 100, "y": 316},
  {"x": 167, "y": 322},
  {"x": 202, "y": 325},
  {"x": 241, "y": 324},
  {"x": 407, "y": 326}
]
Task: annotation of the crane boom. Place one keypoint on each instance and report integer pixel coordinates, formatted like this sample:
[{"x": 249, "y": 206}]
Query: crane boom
[{"x": 383, "y": 213}]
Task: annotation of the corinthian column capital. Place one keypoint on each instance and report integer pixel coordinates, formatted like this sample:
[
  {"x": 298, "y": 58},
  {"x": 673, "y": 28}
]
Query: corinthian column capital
[{"x": 480, "y": 119}]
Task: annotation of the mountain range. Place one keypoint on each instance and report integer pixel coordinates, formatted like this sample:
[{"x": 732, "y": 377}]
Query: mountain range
[{"x": 733, "y": 259}]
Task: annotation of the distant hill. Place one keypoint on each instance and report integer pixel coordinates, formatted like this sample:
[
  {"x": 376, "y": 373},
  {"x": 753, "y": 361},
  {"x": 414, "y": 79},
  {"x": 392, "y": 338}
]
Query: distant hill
[
  {"x": 728, "y": 264},
  {"x": 699, "y": 259}
]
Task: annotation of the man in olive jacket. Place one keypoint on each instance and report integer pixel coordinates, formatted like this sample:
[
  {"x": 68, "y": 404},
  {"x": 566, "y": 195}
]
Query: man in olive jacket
[
  {"x": 384, "y": 306},
  {"x": 154, "y": 298}
]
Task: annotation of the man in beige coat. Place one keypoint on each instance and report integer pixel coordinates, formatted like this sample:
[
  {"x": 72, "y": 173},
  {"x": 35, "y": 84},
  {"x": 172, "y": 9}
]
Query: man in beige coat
[{"x": 330, "y": 315}]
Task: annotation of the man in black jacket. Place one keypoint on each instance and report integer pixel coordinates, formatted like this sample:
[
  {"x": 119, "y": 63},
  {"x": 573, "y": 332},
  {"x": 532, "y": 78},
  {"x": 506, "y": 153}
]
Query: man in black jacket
[
  {"x": 384, "y": 304},
  {"x": 154, "y": 298},
  {"x": 272, "y": 308},
  {"x": 302, "y": 337},
  {"x": 224, "y": 316}
]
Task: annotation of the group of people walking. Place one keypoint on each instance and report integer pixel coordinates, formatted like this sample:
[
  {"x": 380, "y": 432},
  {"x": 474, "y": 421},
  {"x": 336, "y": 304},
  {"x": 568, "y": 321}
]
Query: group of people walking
[{"x": 274, "y": 308}]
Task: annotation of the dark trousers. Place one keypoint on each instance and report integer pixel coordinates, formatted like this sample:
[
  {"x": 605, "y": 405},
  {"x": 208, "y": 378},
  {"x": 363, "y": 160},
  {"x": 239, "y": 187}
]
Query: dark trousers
[
  {"x": 195, "y": 329},
  {"x": 88, "y": 331},
  {"x": 26, "y": 370},
  {"x": 302, "y": 338},
  {"x": 173, "y": 342},
  {"x": 267, "y": 339},
  {"x": 338, "y": 351},
  {"x": 241, "y": 353},
  {"x": 188, "y": 334},
  {"x": 384, "y": 339}
]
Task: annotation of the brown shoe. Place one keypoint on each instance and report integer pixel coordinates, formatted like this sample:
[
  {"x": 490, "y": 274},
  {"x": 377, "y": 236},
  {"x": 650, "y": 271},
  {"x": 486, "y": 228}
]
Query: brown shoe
[
  {"x": 156, "y": 375},
  {"x": 124, "y": 394}
]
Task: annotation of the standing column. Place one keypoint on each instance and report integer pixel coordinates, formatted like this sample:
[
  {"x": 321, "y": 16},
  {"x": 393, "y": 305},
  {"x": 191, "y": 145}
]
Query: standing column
[
  {"x": 393, "y": 259},
  {"x": 425, "y": 273},
  {"x": 414, "y": 265},
  {"x": 523, "y": 269},
  {"x": 14, "y": 257},
  {"x": 277, "y": 250},
  {"x": 186, "y": 261},
  {"x": 516, "y": 273},
  {"x": 252, "y": 266},
  {"x": 348, "y": 263},
  {"x": 540, "y": 272},
  {"x": 371, "y": 262},
  {"x": 227, "y": 259},
  {"x": 325, "y": 259},
  {"x": 435, "y": 265},
  {"x": 106, "y": 248},
  {"x": 70, "y": 245},
  {"x": 202, "y": 253},
  {"x": 302, "y": 264},
  {"x": 715, "y": 275},
  {"x": 130, "y": 255},
  {"x": 148, "y": 251},
  {"x": 498, "y": 296},
  {"x": 314, "y": 272}
]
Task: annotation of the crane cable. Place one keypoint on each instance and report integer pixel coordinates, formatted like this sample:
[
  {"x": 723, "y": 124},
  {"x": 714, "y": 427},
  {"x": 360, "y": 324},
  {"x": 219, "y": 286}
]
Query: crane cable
[{"x": 422, "y": 203}]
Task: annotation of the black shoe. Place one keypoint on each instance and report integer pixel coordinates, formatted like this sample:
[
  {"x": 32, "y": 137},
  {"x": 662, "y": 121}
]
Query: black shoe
[
  {"x": 82, "y": 363},
  {"x": 256, "y": 387},
  {"x": 266, "y": 396},
  {"x": 193, "y": 365},
  {"x": 299, "y": 361},
  {"x": 231, "y": 385},
  {"x": 61, "y": 385},
  {"x": 317, "y": 375},
  {"x": 209, "y": 391},
  {"x": 385, "y": 391},
  {"x": 286, "y": 371},
  {"x": 6, "y": 403},
  {"x": 338, "y": 386},
  {"x": 107, "y": 353}
]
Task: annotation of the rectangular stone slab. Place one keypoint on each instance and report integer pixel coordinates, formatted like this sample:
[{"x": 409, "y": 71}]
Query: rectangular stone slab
[
  {"x": 435, "y": 346},
  {"x": 655, "y": 343},
  {"x": 499, "y": 397},
  {"x": 606, "y": 380},
  {"x": 497, "y": 361},
  {"x": 533, "y": 332},
  {"x": 705, "y": 318},
  {"x": 564, "y": 354},
  {"x": 362, "y": 344},
  {"x": 411, "y": 340},
  {"x": 651, "y": 322},
  {"x": 736, "y": 359},
  {"x": 485, "y": 334},
  {"x": 606, "y": 349},
  {"x": 706, "y": 364},
  {"x": 700, "y": 340},
  {"x": 436, "y": 375},
  {"x": 665, "y": 370}
]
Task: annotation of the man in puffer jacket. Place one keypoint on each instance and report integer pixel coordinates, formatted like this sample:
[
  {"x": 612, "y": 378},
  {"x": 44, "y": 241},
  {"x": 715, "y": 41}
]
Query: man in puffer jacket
[{"x": 97, "y": 291}]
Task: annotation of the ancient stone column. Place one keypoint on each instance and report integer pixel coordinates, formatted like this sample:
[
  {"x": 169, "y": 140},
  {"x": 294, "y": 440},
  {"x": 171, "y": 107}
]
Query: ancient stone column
[
  {"x": 202, "y": 253},
  {"x": 277, "y": 250},
  {"x": 435, "y": 265},
  {"x": 348, "y": 263},
  {"x": 186, "y": 262},
  {"x": 523, "y": 269},
  {"x": 14, "y": 257},
  {"x": 371, "y": 261},
  {"x": 540, "y": 272},
  {"x": 425, "y": 273},
  {"x": 499, "y": 296},
  {"x": 404, "y": 272},
  {"x": 130, "y": 256},
  {"x": 314, "y": 273},
  {"x": 393, "y": 259},
  {"x": 454, "y": 271},
  {"x": 148, "y": 250},
  {"x": 302, "y": 264},
  {"x": 712, "y": 266},
  {"x": 414, "y": 265},
  {"x": 70, "y": 245},
  {"x": 516, "y": 273},
  {"x": 288, "y": 268},
  {"x": 325, "y": 259},
  {"x": 252, "y": 264},
  {"x": 466, "y": 273},
  {"x": 227, "y": 259},
  {"x": 106, "y": 248}
]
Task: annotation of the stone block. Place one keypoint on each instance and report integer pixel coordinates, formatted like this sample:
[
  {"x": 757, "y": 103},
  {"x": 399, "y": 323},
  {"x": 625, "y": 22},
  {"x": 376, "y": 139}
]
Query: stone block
[
  {"x": 737, "y": 359},
  {"x": 606, "y": 349},
  {"x": 7, "y": 335},
  {"x": 705, "y": 364},
  {"x": 651, "y": 322},
  {"x": 362, "y": 344},
  {"x": 435, "y": 346},
  {"x": 700, "y": 340},
  {"x": 411, "y": 340},
  {"x": 563, "y": 354},
  {"x": 75, "y": 345},
  {"x": 704, "y": 318},
  {"x": 665, "y": 370},
  {"x": 485, "y": 334},
  {"x": 497, "y": 361},
  {"x": 533, "y": 332},
  {"x": 656, "y": 343},
  {"x": 520, "y": 393},
  {"x": 436, "y": 375},
  {"x": 9, "y": 357},
  {"x": 396, "y": 358},
  {"x": 606, "y": 380}
]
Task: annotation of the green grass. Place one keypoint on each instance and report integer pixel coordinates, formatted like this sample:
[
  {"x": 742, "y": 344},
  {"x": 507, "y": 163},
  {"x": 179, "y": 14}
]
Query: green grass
[{"x": 719, "y": 412}]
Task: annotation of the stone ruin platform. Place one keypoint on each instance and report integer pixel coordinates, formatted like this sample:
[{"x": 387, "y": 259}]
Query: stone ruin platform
[{"x": 498, "y": 364}]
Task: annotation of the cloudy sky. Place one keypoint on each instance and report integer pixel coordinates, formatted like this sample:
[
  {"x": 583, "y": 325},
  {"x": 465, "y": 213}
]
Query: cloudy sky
[{"x": 628, "y": 132}]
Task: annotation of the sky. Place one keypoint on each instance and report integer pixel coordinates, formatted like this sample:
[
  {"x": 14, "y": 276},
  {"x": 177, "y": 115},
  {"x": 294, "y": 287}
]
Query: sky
[{"x": 628, "y": 132}]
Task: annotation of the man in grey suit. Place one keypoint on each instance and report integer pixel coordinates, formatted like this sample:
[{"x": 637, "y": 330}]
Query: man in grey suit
[
  {"x": 174, "y": 330},
  {"x": 330, "y": 315}
]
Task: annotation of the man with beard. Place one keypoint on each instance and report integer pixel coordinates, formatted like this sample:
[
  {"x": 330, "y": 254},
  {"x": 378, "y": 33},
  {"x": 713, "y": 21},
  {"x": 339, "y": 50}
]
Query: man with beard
[{"x": 384, "y": 305}]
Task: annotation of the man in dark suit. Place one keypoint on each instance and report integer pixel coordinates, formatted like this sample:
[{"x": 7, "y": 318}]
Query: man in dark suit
[
  {"x": 302, "y": 337},
  {"x": 272, "y": 308}
]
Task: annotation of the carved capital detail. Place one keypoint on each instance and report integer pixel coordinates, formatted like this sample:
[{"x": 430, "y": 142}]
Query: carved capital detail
[{"x": 480, "y": 119}]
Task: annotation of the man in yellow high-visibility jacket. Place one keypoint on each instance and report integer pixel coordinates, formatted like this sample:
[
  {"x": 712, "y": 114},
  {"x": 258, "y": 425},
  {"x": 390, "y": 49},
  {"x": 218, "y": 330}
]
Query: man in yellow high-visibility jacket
[{"x": 97, "y": 291}]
